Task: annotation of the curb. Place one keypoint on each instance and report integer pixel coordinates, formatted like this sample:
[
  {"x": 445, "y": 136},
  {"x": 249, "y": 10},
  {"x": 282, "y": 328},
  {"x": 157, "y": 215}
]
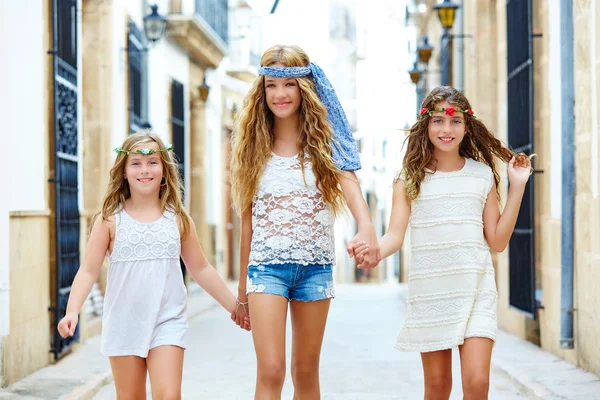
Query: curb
[
  {"x": 532, "y": 391},
  {"x": 92, "y": 386}
]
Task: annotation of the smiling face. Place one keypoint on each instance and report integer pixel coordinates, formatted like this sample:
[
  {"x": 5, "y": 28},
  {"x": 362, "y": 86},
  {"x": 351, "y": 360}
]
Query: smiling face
[
  {"x": 144, "y": 172},
  {"x": 282, "y": 95},
  {"x": 446, "y": 132}
]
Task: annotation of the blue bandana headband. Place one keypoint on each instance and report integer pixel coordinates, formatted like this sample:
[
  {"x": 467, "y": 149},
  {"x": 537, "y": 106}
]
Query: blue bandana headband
[{"x": 345, "y": 152}]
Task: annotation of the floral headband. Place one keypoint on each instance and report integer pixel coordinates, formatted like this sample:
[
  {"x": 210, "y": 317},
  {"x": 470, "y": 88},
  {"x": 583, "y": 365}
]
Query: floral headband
[
  {"x": 448, "y": 111},
  {"x": 145, "y": 152}
]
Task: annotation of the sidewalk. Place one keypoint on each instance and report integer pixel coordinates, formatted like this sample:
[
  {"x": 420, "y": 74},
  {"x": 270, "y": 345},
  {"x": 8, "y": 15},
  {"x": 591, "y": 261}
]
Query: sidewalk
[
  {"x": 82, "y": 374},
  {"x": 539, "y": 374}
]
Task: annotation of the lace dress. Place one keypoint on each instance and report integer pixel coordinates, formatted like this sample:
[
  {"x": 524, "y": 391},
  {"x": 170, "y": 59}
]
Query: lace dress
[
  {"x": 145, "y": 301},
  {"x": 290, "y": 221},
  {"x": 451, "y": 288}
]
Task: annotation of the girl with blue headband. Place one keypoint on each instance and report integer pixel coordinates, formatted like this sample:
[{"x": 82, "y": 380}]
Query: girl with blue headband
[{"x": 291, "y": 173}]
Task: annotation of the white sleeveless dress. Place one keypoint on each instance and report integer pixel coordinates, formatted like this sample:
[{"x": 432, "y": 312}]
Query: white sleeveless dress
[
  {"x": 145, "y": 300},
  {"x": 451, "y": 287}
]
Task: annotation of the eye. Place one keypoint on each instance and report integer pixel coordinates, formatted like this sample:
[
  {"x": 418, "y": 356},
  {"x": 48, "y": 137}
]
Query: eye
[
  {"x": 153, "y": 162},
  {"x": 290, "y": 84},
  {"x": 437, "y": 121},
  {"x": 270, "y": 85},
  {"x": 135, "y": 163},
  {"x": 457, "y": 121}
]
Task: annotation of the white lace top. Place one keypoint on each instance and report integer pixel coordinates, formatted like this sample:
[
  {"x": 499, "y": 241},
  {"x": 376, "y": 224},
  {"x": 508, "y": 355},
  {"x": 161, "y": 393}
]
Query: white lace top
[{"x": 290, "y": 221}]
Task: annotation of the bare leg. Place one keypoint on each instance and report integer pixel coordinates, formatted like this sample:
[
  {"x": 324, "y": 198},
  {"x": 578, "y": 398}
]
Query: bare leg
[
  {"x": 129, "y": 373},
  {"x": 437, "y": 369},
  {"x": 165, "y": 366},
  {"x": 475, "y": 359},
  {"x": 308, "y": 328},
  {"x": 268, "y": 316}
]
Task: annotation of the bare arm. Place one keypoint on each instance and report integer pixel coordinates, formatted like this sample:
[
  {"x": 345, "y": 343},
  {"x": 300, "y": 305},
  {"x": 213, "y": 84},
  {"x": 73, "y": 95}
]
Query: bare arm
[
  {"x": 89, "y": 270},
  {"x": 498, "y": 227},
  {"x": 97, "y": 246},
  {"x": 394, "y": 237},
  {"x": 203, "y": 273},
  {"x": 245, "y": 241},
  {"x": 360, "y": 211}
]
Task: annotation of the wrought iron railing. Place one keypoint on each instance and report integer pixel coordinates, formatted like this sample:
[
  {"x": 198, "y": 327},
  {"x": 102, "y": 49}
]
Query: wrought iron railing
[
  {"x": 216, "y": 15},
  {"x": 520, "y": 139}
]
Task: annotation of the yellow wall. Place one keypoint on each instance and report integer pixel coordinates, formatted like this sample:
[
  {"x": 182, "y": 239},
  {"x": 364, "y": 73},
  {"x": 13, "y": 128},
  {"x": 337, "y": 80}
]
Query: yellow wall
[
  {"x": 26, "y": 348},
  {"x": 587, "y": 201}
]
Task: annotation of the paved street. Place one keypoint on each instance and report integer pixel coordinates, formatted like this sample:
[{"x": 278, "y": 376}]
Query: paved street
[{"x": 358, "y": 359}]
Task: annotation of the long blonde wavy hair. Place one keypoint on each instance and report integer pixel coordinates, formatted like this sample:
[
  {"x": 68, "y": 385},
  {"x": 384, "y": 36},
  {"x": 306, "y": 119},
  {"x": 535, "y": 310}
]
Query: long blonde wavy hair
[
  {"x": 170, "y": 189},
  {"x": 253, "y": 136},
  {"x": 479, "y": 143}
]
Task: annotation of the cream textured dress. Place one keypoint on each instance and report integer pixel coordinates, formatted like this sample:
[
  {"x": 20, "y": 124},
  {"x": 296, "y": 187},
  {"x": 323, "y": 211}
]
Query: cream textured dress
[{"x": 451, "y": 287}]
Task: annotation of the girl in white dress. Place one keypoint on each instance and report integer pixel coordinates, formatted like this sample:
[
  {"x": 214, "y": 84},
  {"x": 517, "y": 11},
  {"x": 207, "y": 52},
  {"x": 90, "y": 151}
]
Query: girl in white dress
[
  {"x": 447, "y": 191},
  {"x": 144, "y": 230}
]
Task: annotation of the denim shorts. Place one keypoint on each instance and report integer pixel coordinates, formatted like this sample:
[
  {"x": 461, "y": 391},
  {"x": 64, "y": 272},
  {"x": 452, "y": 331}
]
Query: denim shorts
[{"x": 293, "y": 281}]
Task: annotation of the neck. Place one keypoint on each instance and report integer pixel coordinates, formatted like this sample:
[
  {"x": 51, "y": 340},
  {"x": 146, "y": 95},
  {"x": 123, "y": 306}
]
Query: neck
[
  {"x": 445, "y": 161},
  {"x": 286, "y": 133},
  {"x": 144, "y": 202}
]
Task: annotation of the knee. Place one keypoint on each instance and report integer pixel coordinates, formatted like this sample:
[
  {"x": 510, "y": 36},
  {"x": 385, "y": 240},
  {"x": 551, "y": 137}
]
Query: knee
[
  {"x": 438, "y": 386},
  {"x": 476, "y": 386},
  {"x": 304, "y": 372},
  {"x": 139, "y": 394},
  {"x": 272, "y": 372},
  {"x": 167, "y": 394}
]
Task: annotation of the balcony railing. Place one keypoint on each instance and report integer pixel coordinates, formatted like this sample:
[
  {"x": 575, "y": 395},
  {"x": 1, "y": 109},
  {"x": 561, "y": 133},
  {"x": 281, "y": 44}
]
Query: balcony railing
[{"x": 215, "y": 13}]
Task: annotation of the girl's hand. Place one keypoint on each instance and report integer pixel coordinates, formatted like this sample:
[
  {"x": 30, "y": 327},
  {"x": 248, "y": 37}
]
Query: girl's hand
[
  {"x": 519, "y": 170},
  {"x": 360, "y": 250},
  {"x": 66, "y": 326},
  {"x": 241, "y": 315},
  {"x": 373, "y": 256}
]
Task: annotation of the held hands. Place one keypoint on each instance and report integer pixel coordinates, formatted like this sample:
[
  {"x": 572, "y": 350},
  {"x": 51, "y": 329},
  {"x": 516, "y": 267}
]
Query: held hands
[
  {"x": 519, "y": 170},
  {"x": 366, "y": 240},
  {"x": 66, "y": 326},
  {"x": 241, "y": 314}
]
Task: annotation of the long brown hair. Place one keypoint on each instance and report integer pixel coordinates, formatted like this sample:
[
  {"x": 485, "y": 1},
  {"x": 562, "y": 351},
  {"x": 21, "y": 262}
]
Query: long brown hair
[
  {"x": 253, "y": 136},
  {"x": 479, "y": 143},
  {"x": 170, "y": 190}
]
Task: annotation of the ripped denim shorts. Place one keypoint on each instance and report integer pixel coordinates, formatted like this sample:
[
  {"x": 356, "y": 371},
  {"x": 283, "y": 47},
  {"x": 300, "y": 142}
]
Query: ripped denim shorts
[{"x": 293, "y": 281}]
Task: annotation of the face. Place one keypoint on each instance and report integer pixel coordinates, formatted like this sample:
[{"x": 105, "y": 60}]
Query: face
[
  {"x": 144, "y": 172},
  {"x": 283, "y": 95},
  {"x": 446, "y": 132}
]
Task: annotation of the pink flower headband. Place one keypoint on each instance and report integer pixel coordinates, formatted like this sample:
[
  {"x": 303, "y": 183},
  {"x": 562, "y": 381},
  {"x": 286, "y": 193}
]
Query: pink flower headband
[{"x": 448, "y": 111}]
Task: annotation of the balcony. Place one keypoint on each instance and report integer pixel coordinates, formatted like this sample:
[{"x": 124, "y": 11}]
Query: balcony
[{"x": 204, "y": 34}]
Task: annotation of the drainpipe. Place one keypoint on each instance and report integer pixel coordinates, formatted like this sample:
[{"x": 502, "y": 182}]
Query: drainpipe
[{"x": 568, "y": 173}]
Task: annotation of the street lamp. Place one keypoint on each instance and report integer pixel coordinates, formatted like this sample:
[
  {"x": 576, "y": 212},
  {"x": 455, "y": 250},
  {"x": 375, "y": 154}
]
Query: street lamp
[
  {"x": 425, "y": 51},
  {"x": 447, "y": 12},
  {"x": 415, "y": 74},
  {"x": 204, "y": 90},
  {"x": 154, "y": 25}
]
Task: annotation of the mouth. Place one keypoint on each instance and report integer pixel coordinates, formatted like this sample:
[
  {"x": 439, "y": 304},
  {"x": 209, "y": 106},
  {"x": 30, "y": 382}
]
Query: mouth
[
  {"x": 446, "y": 139},
  {"x": 145, "y": 180},
  {"x": 282, "y": 104}
]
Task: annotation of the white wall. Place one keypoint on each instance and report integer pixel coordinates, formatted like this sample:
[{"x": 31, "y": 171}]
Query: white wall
[
  {"x": 119, "y": 84},
  {"x": 23, "y": 106},
  {"x": 168, "y": 61}
]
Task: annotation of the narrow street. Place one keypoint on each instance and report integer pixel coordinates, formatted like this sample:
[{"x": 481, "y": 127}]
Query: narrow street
[{"x": 358, "y": 359}]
